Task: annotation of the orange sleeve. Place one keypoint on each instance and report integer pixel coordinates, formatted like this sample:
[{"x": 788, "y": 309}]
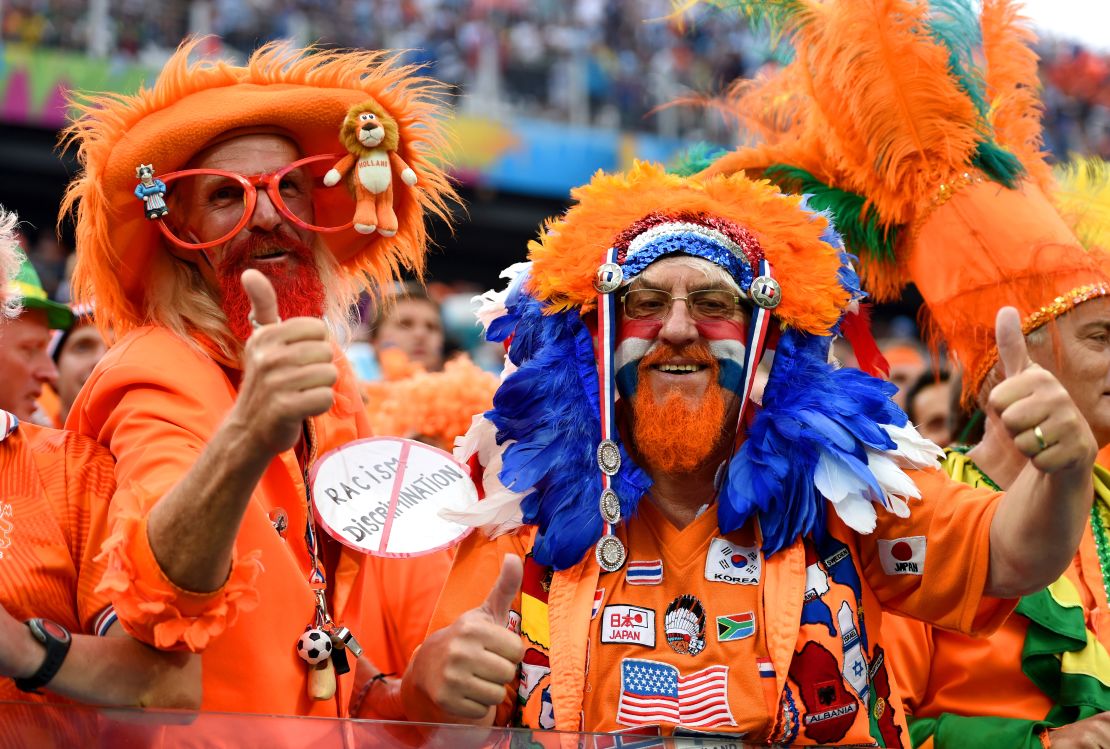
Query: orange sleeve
[
  {"x": 951, "y": 523},
  {"x": 90, "y": 483},
  {"x": 909, "y": 648},
  {"x": 156, "y": 420},
  {"x": 406, "y": 591}
]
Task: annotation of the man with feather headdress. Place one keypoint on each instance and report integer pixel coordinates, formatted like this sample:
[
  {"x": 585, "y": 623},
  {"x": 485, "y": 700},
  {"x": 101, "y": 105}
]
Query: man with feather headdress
[
  {"x": 917, "y": 125},
  {"x": 661, "y": 555}
]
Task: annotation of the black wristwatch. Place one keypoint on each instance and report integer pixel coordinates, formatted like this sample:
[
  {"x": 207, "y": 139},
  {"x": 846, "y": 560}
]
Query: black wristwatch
[{"x": 57, "y": 639}]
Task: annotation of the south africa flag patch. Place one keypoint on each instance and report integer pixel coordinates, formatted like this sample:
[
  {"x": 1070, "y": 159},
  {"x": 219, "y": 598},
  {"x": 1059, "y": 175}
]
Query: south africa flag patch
[{"x": 735, "y": 626}]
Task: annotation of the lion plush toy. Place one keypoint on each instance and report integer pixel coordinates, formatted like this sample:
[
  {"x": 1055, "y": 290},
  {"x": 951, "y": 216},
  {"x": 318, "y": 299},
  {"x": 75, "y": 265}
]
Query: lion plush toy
[{"x": 370, "y": 136}]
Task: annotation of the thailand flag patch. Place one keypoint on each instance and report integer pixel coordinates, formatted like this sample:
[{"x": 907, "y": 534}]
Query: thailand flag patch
[{"x": 644, "y": 573}]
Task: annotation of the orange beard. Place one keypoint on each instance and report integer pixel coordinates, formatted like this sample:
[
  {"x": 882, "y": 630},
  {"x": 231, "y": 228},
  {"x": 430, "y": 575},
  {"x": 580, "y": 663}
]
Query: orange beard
[{"x": 669, "y": 435}]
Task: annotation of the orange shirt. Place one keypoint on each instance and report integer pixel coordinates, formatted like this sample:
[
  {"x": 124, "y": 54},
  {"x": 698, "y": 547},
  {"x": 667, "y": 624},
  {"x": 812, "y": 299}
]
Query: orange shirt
[
  {"x": 54, "y": 492},
  {"x": 155, "y": 402},
  {"x": 944, "y": 672},
  {"x": 800, "y": 660}
]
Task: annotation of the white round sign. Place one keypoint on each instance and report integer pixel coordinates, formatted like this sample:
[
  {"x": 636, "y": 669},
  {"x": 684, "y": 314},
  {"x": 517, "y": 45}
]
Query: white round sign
[{"x": 383, "y": 496}]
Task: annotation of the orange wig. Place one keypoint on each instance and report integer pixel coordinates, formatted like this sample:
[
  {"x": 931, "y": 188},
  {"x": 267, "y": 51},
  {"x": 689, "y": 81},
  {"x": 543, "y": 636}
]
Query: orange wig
[{"x": 303, "y": 92}]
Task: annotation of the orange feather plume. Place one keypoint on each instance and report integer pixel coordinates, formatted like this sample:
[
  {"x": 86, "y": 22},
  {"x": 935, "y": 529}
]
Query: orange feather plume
[
  {"x": 435, "y": 407},
  {"x": 566, "y": 256},
  {"x": 1013, "y": 86}
]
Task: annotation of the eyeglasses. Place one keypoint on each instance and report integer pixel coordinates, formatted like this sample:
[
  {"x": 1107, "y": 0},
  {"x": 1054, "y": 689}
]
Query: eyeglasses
[
  {"x": 704, "y": 304},
  {"x": 224, "y": 201}
]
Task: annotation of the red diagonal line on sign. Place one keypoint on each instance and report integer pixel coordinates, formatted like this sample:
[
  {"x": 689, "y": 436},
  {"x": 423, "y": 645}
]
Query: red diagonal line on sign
[{"x": 402, "y": 461}]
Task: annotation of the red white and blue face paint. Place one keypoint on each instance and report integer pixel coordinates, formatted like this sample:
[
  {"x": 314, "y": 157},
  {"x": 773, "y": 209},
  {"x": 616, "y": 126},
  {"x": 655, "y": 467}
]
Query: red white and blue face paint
[{"x": 637, "y": 338}]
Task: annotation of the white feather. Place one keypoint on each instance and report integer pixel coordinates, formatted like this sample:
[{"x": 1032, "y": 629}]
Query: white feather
[
  {"x": 857, "y": 513},
  {"x": 911, "y": 449},
  {"x": 499, "y": 511},
  {"x": 491, "y": 305},
  {"x": 891, "y": 478},
  {"x": 833, "y": 480}
]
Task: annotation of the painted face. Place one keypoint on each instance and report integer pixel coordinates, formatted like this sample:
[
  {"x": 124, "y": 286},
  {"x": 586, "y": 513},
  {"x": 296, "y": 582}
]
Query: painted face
[
  {"x": 636, "y": 339},
  {"x": 681, "y": 376}
]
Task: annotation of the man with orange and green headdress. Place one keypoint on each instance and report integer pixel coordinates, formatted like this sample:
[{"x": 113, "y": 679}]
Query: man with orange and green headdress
[
  {"x": 220, "y": 280},
  {"x": 917, "y": 125}
]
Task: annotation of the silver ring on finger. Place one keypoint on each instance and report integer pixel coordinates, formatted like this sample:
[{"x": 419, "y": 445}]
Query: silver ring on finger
[{"x": 255, "y": 325}]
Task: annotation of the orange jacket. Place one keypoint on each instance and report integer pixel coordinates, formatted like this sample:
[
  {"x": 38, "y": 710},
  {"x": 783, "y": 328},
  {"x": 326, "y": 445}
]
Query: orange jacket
[
  {"x": 155, "y": 402},
  {"x": 54, "y": 492},
  {"x": 954, "y": 519},
  {"x": 945, "y": 673}
]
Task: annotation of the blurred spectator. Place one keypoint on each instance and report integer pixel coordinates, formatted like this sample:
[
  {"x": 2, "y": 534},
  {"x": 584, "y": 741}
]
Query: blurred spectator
[
  {"x": 76, "y": 352},
  {"x": 588, "y": 62},
  {"x": 411, "y": 321},
  {"x": 906, "y": 365},
  {"x": 25, "y": 363},
  {"x": 929, "y": 406}
]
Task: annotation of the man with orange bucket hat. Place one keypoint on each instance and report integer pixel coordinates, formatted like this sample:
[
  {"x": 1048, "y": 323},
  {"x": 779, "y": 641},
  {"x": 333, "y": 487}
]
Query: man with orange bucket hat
[{"x": 221, "y": 264}]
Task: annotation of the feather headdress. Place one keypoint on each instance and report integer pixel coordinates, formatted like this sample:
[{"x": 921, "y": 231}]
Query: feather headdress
[
  {"x": 302, "y": 92},
  {"x": 916, "y": 124},
  {"x": 548, "y": 451}
]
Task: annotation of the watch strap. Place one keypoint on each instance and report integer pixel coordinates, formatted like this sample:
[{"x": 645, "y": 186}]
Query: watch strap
[{"x": 56, "y": 651}]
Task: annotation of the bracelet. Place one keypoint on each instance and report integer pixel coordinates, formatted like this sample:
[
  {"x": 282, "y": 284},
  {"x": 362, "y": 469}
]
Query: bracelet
[
  {"x": 1042, "y": 734},
  {"x": 356, "y": 703}
]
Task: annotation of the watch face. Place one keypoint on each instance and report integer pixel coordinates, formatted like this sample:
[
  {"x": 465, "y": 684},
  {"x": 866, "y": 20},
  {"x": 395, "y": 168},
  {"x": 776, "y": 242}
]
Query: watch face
[{"x": 54, "y": 630}]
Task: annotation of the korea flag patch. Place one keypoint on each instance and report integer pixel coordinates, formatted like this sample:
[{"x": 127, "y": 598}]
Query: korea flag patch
[
  {"x": 730, "y": 563},
  {"x": 903, "y": 556},
  {"x": 628, "y": 624}
]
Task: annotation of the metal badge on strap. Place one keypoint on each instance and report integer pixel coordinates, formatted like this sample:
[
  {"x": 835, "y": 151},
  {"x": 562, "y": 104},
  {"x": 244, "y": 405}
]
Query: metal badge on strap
[
  {"x": 766, "y": 293},
  {"x": 610, "y": 551}
]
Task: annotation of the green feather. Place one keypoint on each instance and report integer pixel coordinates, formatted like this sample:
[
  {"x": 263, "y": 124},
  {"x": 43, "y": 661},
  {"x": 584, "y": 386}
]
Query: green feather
[
  {"x": 776, "y": 15},
  {"x": 856, "y": 221},
  {"x": 696, "y": 158},
  {"x": 955, "y": 24},
  {"x": 998, "y": 163}
]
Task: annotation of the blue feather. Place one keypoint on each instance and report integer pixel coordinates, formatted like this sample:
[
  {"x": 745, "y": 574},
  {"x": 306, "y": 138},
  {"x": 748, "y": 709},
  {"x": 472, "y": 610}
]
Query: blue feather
[
  {"x": 549, "y": 409},
  {"x": 809, "y": 407}
]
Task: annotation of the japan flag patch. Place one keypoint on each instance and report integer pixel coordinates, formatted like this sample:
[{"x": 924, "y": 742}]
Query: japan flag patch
[
  {"x": 628, "y": 624},
  {"x": 902, "y": 556}
]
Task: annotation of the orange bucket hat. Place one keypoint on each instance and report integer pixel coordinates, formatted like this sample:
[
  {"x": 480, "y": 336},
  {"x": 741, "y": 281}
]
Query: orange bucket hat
[
  {"x": 304, "y": 93},
  {"x": 917, "y": 126}
]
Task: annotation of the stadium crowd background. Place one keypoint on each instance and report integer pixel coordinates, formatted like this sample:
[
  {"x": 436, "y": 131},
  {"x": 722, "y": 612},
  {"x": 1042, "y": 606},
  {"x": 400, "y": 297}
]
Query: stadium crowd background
[{"x": 594, "y": 63}]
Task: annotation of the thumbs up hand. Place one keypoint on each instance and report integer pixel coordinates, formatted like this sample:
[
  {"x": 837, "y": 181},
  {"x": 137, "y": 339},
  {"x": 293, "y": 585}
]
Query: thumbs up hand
[
  {"x": 1039, "y": 414},
  {"x": 288, "y": 372},
  {"x": 461, "y": 671}
]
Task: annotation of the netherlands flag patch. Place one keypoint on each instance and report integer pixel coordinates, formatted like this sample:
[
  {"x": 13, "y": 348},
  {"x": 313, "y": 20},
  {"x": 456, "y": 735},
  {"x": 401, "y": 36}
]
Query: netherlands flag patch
[
  {"x": 599, "y": 596},
  {"x": 644, "y": 573},
  {"x": 766, "y": 668}
]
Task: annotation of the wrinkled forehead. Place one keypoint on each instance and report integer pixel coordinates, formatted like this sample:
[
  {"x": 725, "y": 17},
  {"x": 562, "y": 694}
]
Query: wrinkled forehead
[
  {"x": 687, "y": 270},
  {"x": 240, "y": 148}
]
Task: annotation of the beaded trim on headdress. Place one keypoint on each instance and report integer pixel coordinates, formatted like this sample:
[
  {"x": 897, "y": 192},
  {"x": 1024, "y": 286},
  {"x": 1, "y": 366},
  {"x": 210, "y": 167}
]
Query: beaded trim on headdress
[{"x": 823, "y": 433}]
